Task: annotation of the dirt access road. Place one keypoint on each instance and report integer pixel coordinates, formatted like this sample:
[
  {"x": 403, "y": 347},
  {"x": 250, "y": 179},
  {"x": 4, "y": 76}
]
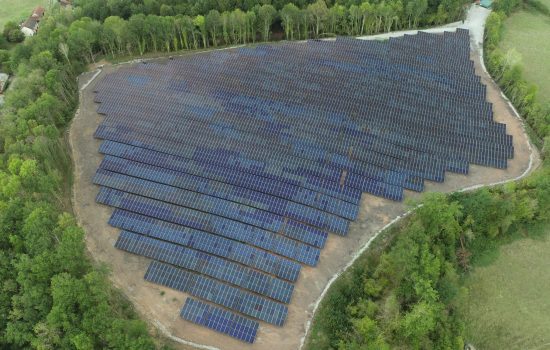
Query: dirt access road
[{"x": 160, "y": 306}]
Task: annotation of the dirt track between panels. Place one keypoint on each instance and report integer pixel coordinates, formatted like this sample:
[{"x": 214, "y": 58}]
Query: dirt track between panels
[{"x": 162, "y": 309}]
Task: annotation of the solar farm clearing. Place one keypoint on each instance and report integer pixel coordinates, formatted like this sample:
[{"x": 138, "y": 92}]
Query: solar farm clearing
[{"x": 226, "y": 188}]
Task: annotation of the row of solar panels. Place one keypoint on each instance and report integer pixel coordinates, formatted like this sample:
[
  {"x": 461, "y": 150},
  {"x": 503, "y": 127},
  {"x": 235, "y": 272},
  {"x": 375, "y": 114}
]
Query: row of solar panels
[
  {"x": 484, "y": 158},
  {"x": 184, "y": 109},
  {"x": 231, "y": 229},
  {"x": 206, "y": 242},
  {"x": 220, "y": 320},
  {"x": 475, "y": 84},
  {"x": 277, "y": 188},
  {"x": 468, "y": 100},
  {"x": 306, "y": 148},
  {"x": 368, "y": 48},
  {"x": 377, "y": 160},
  {"x": 206, "y": 264},
  {"x": 286, "y": 162},
  {"x": 406, "y": 185},
  {"x": 297, "y": 177},
  {"x": 333, "y": 102},
  {"x": 477, "y": 147},
  {"x": 228, "y": 192},
  {"x": 206, "y": 203},
  {"x": 245, "y": 144}
]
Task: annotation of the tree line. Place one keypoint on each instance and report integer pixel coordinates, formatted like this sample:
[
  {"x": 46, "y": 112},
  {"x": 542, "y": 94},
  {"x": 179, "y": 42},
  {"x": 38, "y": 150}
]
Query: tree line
[
  {"x": 51, "y": 295},
  {"x": 101, "y": 9},
  {"x": 507, "y": 69},
  {"x": 115, "y": 31}
]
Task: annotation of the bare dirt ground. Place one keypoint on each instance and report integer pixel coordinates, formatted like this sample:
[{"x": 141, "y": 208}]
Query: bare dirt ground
[{"x": 160, "y": 306}]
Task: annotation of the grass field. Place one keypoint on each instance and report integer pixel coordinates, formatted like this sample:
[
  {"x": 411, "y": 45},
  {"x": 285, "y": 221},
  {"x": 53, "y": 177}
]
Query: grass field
[
  {"x": 529, "y": 32},
  {"x": 509, "y": 306},
  {"x": 18, "y": 10}
]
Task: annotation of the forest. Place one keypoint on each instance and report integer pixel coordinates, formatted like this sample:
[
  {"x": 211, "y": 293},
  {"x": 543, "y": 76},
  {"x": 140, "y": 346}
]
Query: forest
[{"x": 54, "y": 297}]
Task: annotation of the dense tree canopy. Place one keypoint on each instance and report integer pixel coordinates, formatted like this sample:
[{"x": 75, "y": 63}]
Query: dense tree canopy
[
  {"x": 12, "y": 33},
  {"x": 101, "y": 9},
  {"x": 244, "y": 21},
  {"x": 406, "y": 295},
  {"x": 132, "y": 27},
  {"x": 51, "y": 295}
]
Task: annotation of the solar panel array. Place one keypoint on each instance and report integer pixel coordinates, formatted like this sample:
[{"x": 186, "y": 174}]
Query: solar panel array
[
  {"x": 219, "y": 320},
  {"x": 230, "y": 168}
]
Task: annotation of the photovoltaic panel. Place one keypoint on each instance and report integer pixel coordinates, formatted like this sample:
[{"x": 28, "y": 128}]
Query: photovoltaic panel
[
  {"x": 236, "y": 194},
  {"x": 219, "y": 320},
  {"x": 192, "y": 138},
  {"x": 286, "y": 191},
  {"x": 295, "y": 175},
  {"x": 206, "y": 242},
  {"x": 217, "y": 206},
  {"x": 217, "y": 292},
  {"x": 231, "y": 229},
  {"x": 207, "y": 264}
]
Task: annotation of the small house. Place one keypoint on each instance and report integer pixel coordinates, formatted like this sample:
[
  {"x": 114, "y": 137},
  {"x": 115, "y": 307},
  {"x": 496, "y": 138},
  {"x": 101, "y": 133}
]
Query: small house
[{"x": 30, "y": 26}]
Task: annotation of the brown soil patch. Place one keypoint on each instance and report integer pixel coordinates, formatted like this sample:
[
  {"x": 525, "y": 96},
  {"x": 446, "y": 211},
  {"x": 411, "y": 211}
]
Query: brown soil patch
[{"x": 128, "y": 270}]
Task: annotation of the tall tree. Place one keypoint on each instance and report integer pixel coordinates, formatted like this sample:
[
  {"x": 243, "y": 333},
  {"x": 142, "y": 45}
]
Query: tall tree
[
  {"x": 419, "y": 9},
  {"x": 137, "y": 28},
  {"x": 319, "y": 13},
  {"x": 200, "y": 23},
  {"x": 184, "y": 26},
  {"x": 266, "y": 16},
  {"x": 213, "y": 24},
  {"x": 153, "y": 28},
  {"x": 355, "y": 17},
  {"x": 83, "y": 37},
  {"x": 289, "y": 15},
  {"x": 336, "y": 19},
  {"x": 114, "y": 29},
  {"x": 251, "y": 23},
  {"x": 367, "y": 17}
]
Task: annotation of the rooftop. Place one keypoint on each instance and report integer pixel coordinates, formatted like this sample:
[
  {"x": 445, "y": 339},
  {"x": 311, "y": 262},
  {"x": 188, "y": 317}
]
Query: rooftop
[{"x": 38, "y": 12}]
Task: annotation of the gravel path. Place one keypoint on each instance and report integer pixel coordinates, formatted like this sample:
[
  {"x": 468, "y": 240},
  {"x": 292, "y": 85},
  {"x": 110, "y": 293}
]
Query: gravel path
[{"x": 475, "y": 23}]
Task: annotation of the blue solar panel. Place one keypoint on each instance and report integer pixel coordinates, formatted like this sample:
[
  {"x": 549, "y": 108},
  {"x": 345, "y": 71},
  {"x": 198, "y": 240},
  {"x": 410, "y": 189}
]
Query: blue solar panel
[
  {"x": 261, "y": 184},
  {"x": 294, "y": 175},
  {"x": 207, "y": 264},
  {"x": 206, "y": 242},
  {"x": 217, "y": 292},
  {"x": 217, "y": 206},
  {"x": 201, "y": 221},
  {"x": 219, "y": 320},
  {"x": 236, "y": 194}
]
